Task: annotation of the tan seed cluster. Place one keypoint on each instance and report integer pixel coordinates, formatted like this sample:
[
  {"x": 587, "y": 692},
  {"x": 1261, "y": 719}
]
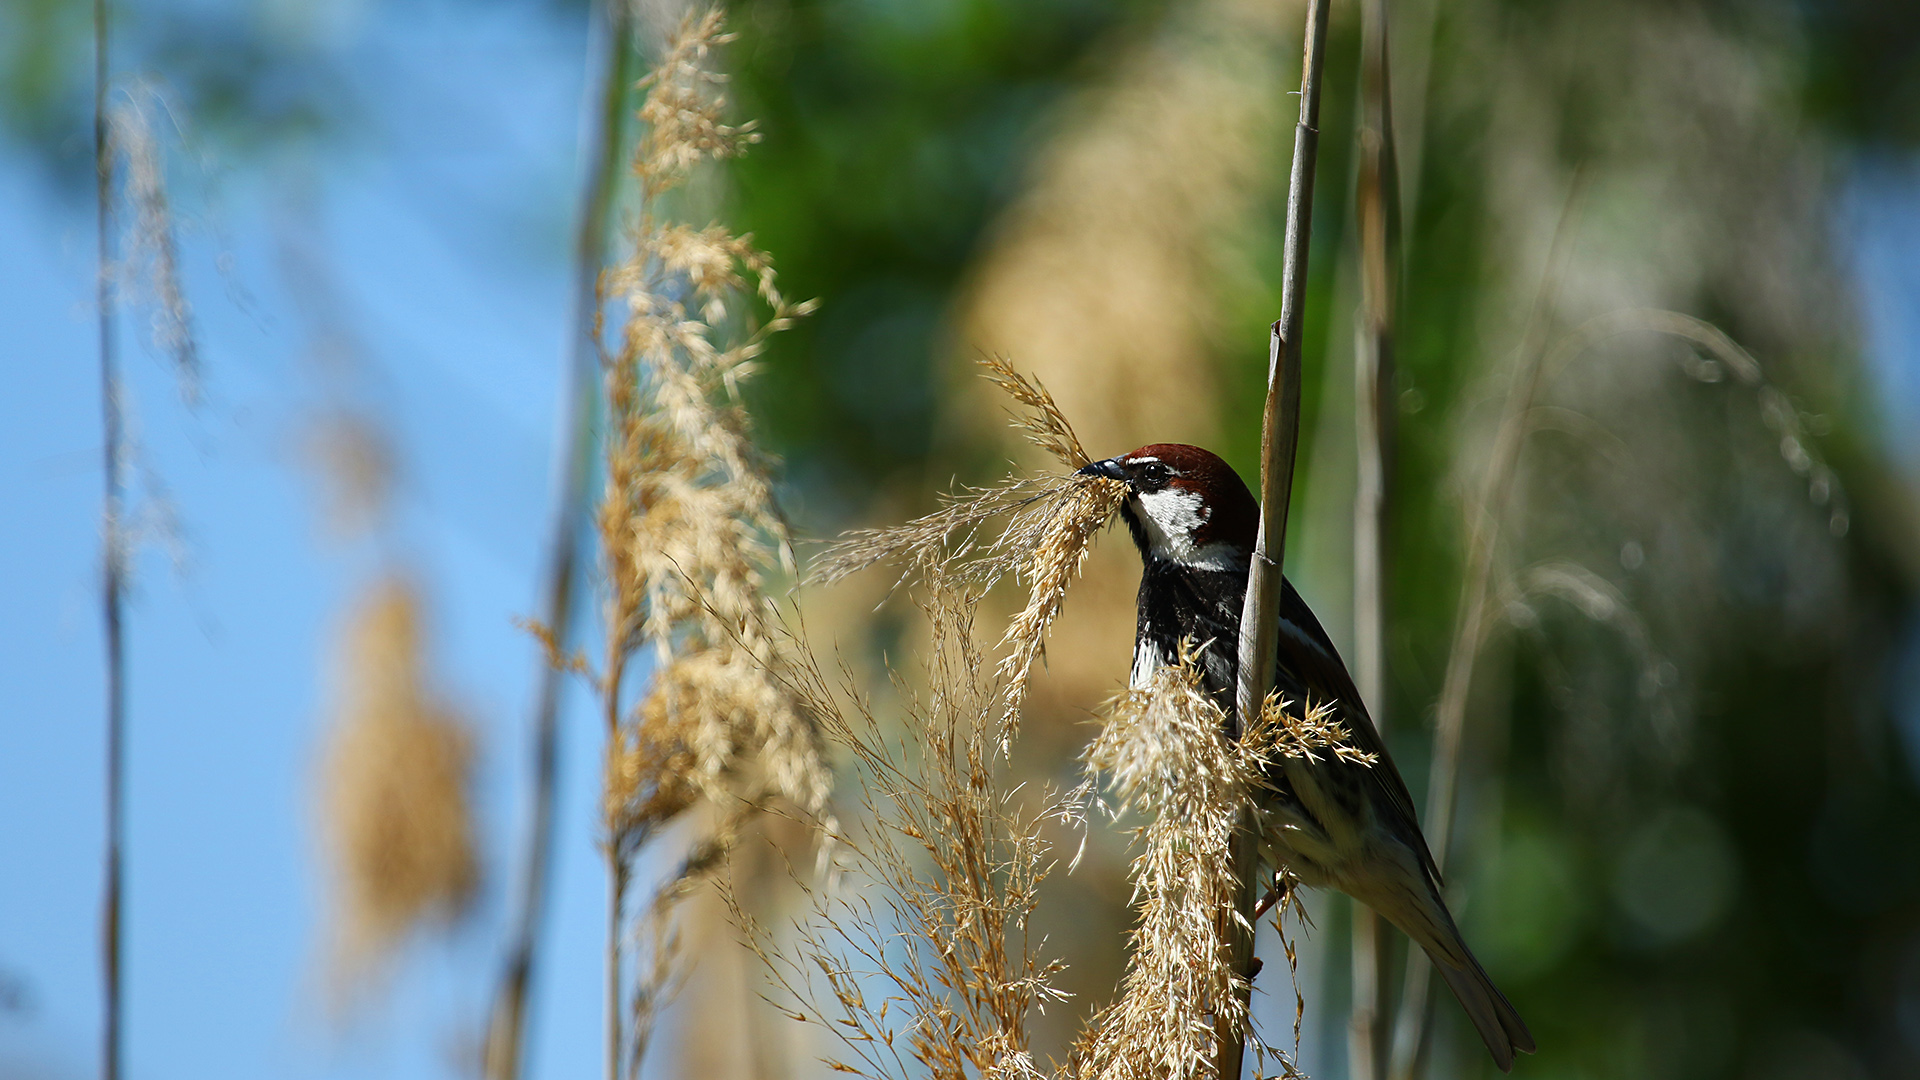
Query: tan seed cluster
[
  {"x": 1161, "y": 747},
  {"x": 396, "y": 807},
  {"x": 689, "y": 533}
]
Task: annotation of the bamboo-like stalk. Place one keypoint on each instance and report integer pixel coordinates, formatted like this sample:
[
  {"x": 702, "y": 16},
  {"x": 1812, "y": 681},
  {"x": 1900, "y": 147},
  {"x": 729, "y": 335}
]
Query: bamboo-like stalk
[
  {"x": 1279, "y": 445},
  {"x": 1450, "y": 720},
  {"x": 1375, "y": 204},
  {"x": 113, "y": 572},
  {"x": 603, "y": 125}
]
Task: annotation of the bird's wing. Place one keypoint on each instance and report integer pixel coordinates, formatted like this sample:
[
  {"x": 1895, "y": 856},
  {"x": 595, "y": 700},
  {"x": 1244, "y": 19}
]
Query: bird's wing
[{"x": 1308, "y": 655}]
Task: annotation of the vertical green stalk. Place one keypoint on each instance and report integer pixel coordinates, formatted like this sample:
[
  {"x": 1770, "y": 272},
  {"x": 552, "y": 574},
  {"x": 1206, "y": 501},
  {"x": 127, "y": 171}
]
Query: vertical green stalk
[
  {"x": 1469, "y": 629},
  {"x": 1279, "y": 445},
  {"x": 1374, "y": 206}
]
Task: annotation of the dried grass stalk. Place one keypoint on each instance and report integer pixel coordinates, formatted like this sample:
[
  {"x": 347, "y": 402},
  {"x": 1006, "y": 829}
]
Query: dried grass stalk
[
  {"x": 934, "y": 972},
  {"x": 1083, "y": 507},
  {"x": 687, "y": 523},
  {"x": 1044, "y": 425},
  {"x": 1050, "y": 523},
  {"x": 689, "y": 533},
  {"x": 396, "y": 810}
]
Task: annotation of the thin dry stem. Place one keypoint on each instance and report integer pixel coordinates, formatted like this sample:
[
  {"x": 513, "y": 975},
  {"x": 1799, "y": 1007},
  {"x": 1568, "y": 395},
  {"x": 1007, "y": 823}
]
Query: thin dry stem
[
  {"x": 944, "y": 939},
  {"x": 113, "y": 562},
  {"x": 1450, "y": 719},
  {"x": 1374, "y": 206},
  {"x": 605, "y": 106}
]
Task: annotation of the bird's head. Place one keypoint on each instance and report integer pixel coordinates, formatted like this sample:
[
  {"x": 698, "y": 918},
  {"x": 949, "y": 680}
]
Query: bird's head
[{"x": 1185, "y": 506}]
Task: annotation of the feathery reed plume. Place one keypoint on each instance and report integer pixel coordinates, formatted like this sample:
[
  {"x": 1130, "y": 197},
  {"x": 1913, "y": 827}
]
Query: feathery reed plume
[
  {"x": 1044, "y": 425},
  {"x": 152, "y": 253},
  {"x": 397, "y": 813},
  {"x": 947, "y": 542},
  {"x": 1162, "y": 749},
  {"x": 1058, "y": 551},
  {"x": 936, "y": 966},
  {"x": 1050, "y": 525},
  {"x": 357, "y": 467},
  {"x": 688, "y": 532}
]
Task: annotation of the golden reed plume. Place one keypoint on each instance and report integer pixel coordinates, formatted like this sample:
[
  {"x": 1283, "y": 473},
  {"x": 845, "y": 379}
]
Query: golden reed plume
[
  {"x": 689, "y": 540},
  {"x": 396, "y": 809}
]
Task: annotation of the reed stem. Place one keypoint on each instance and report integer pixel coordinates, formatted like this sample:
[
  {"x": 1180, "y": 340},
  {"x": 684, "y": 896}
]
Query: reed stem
[
  {"x": 1279, "y": 446},
  {"x": 113, "y": 584},
  {"x": 605, "y": 114},
  {"x": 616, "y": 864},
  {"x": 1374, "y": 205}
]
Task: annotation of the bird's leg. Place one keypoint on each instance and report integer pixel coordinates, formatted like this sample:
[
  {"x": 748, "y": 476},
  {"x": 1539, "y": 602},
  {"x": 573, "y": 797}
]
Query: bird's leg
[{"x": 1274, "y": 892}]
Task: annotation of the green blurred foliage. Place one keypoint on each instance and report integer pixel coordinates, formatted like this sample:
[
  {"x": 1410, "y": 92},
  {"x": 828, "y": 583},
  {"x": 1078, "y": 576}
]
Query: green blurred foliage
[
  {"x": 240, "y": 80},
  {"x": 893, "y": 133}
]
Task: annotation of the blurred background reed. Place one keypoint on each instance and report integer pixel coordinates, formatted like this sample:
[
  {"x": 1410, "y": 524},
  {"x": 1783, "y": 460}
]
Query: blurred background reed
[{"x": 1688, "y": 838}]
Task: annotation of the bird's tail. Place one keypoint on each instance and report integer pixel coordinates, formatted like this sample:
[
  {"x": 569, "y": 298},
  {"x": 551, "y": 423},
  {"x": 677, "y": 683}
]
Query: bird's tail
[
  {"x": 1492, "y": 1014},
  {"x": 1426, "y": 920}
]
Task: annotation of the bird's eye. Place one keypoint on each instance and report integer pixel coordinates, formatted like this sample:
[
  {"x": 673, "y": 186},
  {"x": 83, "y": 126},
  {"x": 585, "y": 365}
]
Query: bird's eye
[{"x": 1154, "y": 475}]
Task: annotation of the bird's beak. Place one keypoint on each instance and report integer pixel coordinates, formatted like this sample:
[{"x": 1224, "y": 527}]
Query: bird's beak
[{"x": 1109, "y": 468}]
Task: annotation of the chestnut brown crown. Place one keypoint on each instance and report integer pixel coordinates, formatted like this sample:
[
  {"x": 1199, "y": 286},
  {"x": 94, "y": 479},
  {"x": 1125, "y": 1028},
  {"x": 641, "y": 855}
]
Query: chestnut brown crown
[{"x": 1185, "y": 505}]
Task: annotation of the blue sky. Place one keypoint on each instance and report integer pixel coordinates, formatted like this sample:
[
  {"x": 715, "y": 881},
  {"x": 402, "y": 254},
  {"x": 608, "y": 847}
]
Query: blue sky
[
  {"x": 440, "y": 232},
  {"x": 440, "y": 236}
]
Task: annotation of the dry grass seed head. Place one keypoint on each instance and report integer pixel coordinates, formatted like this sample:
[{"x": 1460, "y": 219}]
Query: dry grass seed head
[
  {"x": 688, "y": 531},
  {"x": 1055, "y": 559},
  {"x": 683, "y": 108},
  {"x": 1050, "y": 523},
  {"x": 957, "y": 865},
  {"x": 688, "y": 525},
  {"x": 357, "y": 465},
  {"x": 1163, "y": 749},
  {"x": 1044, "y": 425},
  {"x": 152, "y": 257},
  {"x": 396, "y": 811}
]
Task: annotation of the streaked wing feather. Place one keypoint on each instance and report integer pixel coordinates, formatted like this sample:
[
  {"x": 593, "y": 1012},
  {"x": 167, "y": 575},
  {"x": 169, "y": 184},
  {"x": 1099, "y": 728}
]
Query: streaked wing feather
[{"x": 1313, "y": 661}]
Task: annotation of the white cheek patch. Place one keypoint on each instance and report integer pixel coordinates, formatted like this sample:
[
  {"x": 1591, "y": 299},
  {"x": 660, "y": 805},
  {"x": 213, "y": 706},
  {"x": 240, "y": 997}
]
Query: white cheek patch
[{"x": 1172, "y": 516}]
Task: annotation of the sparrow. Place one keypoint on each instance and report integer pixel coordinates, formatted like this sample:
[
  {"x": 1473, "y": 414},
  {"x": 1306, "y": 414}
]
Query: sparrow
[{"x": 1336, "y": 824}]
